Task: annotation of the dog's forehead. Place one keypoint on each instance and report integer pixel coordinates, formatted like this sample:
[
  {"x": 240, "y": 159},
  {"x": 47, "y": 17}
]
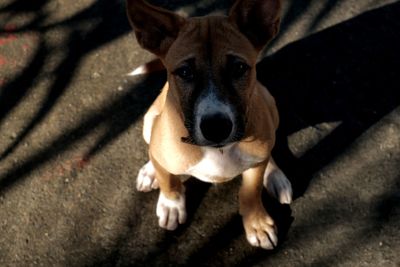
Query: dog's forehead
[{"x": 210, "y": 37}]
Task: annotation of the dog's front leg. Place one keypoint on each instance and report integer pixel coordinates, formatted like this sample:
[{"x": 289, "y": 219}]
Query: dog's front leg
[
  {"x": 258, "y": 224},
  {"x": 171, "y": 206}
]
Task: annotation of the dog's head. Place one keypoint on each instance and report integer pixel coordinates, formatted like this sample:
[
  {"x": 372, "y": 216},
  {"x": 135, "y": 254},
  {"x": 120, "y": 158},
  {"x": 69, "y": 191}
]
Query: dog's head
[{"x": 210, "y": 63}]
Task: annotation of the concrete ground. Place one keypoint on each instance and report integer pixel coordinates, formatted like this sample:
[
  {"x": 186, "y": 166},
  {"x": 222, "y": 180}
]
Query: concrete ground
[{"x": 71, "y": 145}]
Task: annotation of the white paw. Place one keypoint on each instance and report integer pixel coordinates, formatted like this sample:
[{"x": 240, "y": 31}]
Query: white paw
[
  {"x": 261, "y": 231},
  {"x": 278, "y": 185},
  {"x": 171, "y": 212},
  {"x": 146, "y": 179}
]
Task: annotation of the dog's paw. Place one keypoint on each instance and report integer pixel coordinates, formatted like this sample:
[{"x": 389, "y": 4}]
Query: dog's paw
[
  {"x": 260, "y": 230},
  {"x": 171, "y": 212},
  {"x": 146, "y": 179},
  {"x": 278, "y": 186}
]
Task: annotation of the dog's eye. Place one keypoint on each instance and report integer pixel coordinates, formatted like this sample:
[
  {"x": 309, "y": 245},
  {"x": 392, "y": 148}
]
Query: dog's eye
[
  {"x": 185, "y": 73},
  {"x": 238, "y": 69}
]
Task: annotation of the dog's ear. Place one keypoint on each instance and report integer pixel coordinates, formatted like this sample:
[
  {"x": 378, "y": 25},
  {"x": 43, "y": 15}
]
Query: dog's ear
[
  {"x": 258, "y": 20},
  {"x": 155, "y": 28}
]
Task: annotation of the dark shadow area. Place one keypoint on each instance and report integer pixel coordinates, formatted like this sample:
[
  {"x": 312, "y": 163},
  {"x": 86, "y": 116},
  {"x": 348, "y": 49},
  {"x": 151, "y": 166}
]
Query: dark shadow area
[
  {"x": 136, "y": 104},
  {"x": 18, "y": 7},
  {"x": 327, "y": 9},
  {"x": 389, "y": 207},
  {"x": 293, "y": 13},
  {"x": 81, "y": 41},
  {"x": 347, "y": 73},
  {"x": 333, "y": 215},
  {"x": 14, "y": 91},
  {"x": 216, "y": 243},
  {"x": 201, "y": 7},
  {"x": 132, "y": 105},
  {"x": 209, "y": 254}
]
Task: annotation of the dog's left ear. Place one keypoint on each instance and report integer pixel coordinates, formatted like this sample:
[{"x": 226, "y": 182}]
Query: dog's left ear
[
  {"x": 155, "y": 28},
  {"x": 258, "y": 20}
]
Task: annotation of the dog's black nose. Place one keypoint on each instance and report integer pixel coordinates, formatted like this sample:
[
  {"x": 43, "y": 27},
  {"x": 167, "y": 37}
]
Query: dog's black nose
[{"x": 216, "y": 128}]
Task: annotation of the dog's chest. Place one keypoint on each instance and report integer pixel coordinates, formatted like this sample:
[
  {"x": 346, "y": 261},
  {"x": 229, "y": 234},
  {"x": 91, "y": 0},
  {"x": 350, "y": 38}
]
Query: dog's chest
[{"x": 220, "y": 165}]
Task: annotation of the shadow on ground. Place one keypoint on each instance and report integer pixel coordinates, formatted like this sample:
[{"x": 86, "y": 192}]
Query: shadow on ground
[
  {"x": 346, "y": 74},
  {"x": 79, "y": 43}
]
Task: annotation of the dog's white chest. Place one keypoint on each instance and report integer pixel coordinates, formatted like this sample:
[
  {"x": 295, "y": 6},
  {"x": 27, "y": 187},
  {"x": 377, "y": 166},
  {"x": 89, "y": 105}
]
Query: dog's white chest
[{"x": 221, "y": 164}]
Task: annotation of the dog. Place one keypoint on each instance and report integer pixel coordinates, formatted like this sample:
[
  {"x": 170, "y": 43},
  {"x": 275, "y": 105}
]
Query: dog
[{"x": 212, "y": 120}]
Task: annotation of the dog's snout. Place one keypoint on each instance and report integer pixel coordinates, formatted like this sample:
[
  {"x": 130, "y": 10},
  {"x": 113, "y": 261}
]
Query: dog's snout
[{"x": 216, "y": 128}]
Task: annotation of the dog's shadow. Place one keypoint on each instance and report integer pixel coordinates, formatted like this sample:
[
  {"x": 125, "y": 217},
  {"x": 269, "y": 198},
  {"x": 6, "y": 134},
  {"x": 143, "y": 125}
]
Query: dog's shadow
[{"x": 347, "y": 75}]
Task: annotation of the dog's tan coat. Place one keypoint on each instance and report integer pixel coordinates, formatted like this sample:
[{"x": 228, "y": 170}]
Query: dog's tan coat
[{"x": 210, "y": 40}]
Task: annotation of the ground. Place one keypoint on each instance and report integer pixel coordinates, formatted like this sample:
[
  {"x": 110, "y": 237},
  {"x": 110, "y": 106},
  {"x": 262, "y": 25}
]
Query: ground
[{"x": 71, "y": 145}]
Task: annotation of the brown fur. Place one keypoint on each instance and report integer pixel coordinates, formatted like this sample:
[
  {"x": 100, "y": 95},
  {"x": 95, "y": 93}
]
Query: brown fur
[{"x": 210, "y": 39}]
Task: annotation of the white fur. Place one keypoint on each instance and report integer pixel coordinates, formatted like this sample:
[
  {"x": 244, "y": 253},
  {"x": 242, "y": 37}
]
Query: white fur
[
  {"x": 221, "y": 164},
  {"x": 138, "y": 71},
  {"x": 171, "y": 212},
  {"x": 148, "y": 123},
  {"x": 277, "y": 184},
  {"x": 146, "y": 179},
  {"x": 210, "y": 104}
]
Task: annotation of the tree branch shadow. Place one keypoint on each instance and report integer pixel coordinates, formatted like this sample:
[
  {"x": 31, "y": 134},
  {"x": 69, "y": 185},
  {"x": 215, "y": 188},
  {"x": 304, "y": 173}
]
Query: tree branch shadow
[{"x": 80, "y": 43}]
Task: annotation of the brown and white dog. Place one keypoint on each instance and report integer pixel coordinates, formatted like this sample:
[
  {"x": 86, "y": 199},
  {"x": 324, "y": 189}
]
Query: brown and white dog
[{"x": 213, "y": 120}]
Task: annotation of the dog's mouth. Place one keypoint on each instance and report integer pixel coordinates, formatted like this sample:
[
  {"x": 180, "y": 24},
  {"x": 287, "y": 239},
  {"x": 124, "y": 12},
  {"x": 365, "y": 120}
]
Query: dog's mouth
[{"x": 189, "y": 140}]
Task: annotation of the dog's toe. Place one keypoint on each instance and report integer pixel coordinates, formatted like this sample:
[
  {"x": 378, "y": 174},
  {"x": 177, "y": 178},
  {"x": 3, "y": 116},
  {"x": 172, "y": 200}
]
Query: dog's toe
[
  {"x": 279, "y": 186},
  {"x": 146, "y": 180},
  {"x": 171, "y": 212},
  {"x": 261, "y": 231}
]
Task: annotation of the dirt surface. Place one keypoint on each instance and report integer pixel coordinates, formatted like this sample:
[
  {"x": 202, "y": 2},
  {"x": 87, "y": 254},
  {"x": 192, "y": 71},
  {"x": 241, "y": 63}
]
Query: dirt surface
[{"x": 71, "y": 145}]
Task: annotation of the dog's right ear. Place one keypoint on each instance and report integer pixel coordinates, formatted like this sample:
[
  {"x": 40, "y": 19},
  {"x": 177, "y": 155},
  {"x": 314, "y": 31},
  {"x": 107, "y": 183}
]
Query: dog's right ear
[{"x": 155, "y": 28}]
